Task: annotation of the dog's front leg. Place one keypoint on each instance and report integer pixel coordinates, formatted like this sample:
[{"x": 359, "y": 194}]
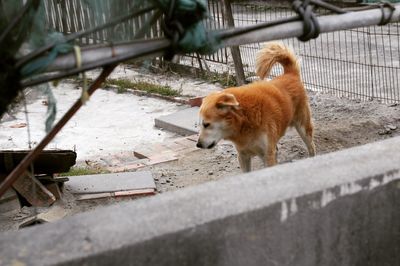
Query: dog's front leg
[
  {"x": 244, "y": 161},
  {"x": 271, "y": 155}
]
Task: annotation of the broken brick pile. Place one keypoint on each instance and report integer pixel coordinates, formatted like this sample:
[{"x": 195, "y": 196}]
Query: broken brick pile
[
  {"x": 40, "y": 187},
  {"x": 149, "y": 155}
]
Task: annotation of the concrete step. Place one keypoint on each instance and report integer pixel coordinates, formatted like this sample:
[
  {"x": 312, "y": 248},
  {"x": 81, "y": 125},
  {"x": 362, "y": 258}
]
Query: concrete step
[
  {"x": 110, "y": 182},
  {"x": 184, "y": 122}
]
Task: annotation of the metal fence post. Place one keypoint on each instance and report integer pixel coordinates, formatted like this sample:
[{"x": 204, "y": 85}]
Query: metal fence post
[{"x": 237, "y": 58}]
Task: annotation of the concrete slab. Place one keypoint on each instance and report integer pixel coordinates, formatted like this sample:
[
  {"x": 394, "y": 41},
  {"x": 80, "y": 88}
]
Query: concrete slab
[
  {"x": 145, "y": 151},
  {"x": 110, "y": 182},
  {"x": 184, "y": 122},
  {"x": 125, "y": 115},
  {"x": 335, "y": 209},
  {"x": 167, "y": 156}
]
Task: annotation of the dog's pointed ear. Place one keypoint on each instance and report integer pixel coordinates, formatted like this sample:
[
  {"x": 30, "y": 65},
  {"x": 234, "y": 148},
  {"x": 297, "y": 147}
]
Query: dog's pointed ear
[{"x": 227, "y": 100}]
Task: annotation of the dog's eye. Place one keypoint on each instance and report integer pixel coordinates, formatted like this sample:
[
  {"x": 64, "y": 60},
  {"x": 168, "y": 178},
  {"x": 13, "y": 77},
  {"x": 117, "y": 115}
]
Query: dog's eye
[{"x": 206, "y": 125}]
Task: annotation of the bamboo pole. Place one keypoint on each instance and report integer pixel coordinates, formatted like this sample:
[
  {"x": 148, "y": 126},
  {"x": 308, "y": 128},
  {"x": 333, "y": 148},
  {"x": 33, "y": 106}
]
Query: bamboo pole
[
  {"x": 235, "y": 50},
  {"x": 100, "y": 55},
  {"x": 79, "y": 34}
]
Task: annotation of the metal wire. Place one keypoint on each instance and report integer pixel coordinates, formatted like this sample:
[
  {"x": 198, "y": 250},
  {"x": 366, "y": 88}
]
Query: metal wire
[{"x": 31, "y": 170}]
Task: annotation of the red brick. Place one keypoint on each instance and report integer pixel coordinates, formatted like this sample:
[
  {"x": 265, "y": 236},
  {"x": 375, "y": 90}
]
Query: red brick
[
  {"x": 162, "y": 158},
  {"x": 195, "y": 101}
]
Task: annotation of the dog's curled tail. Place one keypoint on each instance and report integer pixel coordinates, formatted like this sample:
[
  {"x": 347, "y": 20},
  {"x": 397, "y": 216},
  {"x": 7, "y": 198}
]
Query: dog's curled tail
[{"x": 273, "y": 53}]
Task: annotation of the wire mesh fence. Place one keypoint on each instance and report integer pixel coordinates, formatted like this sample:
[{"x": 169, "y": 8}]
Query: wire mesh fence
[
  {"x": 76, "y": 15},
  {"x": 362, "y": 63}
]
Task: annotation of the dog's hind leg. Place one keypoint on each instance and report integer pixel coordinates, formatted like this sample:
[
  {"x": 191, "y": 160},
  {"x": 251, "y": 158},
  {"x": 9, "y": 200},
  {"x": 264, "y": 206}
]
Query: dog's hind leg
[
  {"x": 306, "y": 134},
  {"x": 244, "y": 161}
]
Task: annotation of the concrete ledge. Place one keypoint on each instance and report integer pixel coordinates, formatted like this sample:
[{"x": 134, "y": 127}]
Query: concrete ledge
[
  {"x": 336, "y": 209},
  {"x": 184, "y": 122}
]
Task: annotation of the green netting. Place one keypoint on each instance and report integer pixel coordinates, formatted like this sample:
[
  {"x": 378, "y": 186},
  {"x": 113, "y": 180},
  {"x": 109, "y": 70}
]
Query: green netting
[
  {"x": 100, "y": 12},
  {"x": 13, "y": 36},
  {"x": 67, "y": 17},
  {"x": 49, "y": 24}
]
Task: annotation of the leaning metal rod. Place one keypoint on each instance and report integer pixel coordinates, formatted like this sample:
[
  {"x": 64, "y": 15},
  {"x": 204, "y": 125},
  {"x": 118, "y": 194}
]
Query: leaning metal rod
[
  {"x": 23, "y": 165},
  {"x": 101, "y": 56}
]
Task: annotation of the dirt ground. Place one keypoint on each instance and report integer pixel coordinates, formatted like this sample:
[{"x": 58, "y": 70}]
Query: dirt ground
[{"x": 339, "y": 124}]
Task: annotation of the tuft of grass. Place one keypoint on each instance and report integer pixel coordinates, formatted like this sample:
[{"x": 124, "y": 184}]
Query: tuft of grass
[
  {"x": 121, "y": 90},
  {"x": 225, "y": 79},
  {"x": 125, "y": 84},
  {"x": 83, "y": 171},
  {"x": 122, "y": 84}
]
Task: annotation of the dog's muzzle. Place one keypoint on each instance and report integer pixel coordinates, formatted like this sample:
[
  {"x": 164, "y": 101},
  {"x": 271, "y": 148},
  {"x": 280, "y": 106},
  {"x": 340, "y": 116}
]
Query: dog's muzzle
[{"x": 200, "y": 145}]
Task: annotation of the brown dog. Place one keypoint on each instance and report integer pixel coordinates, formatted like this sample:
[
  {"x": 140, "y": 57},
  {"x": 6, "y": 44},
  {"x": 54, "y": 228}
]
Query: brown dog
[{"x": 255, "y": 116}]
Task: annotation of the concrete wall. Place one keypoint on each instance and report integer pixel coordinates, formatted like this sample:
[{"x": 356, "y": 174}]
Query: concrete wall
[{"x": 336, "y": 209}]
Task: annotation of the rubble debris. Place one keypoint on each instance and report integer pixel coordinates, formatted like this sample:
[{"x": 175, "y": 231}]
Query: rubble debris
[
  {"x": 40, "y": 188},
  {"x": 111, "y": 185},
  {"x": 9, "y": 201},
  {"x": 33, "y": 191},
  {"x": 19, "y": 125},
  {"x": 387, "y": 129}
]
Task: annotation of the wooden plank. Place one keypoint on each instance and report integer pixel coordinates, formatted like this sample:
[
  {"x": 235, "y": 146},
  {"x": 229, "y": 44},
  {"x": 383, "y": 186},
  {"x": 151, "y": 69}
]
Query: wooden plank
[
  {"x": 71, "y": 14},
  {"x": 148, "y": 191},
  {"x": 237, "y": 58},
  {"x": 137, "y": 25},
  {"x": 130, "y": 24},
  {"x": 98, "y": 20},
  {"x": 49, "y": 178},
  {"x": 86, "y": 24},
  {"x": 64, "y": 14},
  {"x": 56, "y": 16},
  {"x": 54, "y": 188},
  {"x": 33, "y": 191},
  {"x": 80, "y": 20},
  {"x": 91, "y": 24},
  {"x": 107, "y": 14},
  {"x": 48, "y": 162},
  {"x": 47, "y": 15}
]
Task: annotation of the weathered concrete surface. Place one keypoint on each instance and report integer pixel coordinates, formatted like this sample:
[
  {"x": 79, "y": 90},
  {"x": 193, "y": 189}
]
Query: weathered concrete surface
[
  {"x": 110, "y": 182},
  {"x": 336, "y": 209},
  {"x": 184, "y": 122}
]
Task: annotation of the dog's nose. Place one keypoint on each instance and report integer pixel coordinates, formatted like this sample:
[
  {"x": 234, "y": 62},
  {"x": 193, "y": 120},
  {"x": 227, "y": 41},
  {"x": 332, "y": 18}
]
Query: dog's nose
[{"x": 199, "y": 145}]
